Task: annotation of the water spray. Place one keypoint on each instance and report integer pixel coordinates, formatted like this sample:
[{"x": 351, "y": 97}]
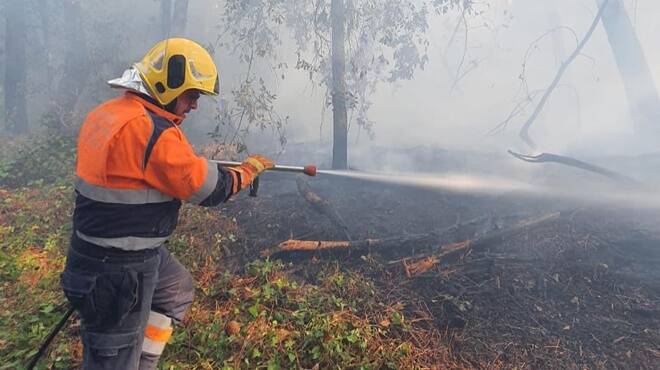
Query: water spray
[
  {"x": 478, "y": 184},
  {"x": 623, "y": 195},
  {"x": 447, "y": 181}
]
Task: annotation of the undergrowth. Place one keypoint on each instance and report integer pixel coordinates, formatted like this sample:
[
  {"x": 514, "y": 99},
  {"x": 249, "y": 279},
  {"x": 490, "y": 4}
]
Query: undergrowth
[
  {"x": 44, "y": 158},
  {"x": 266, "y": 319},
  {"x": 34, "y": 229},
  {"x": 259, "y": 317}
]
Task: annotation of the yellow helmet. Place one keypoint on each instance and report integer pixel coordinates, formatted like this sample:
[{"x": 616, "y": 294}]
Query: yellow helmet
[{"x": 175, "y": 65}]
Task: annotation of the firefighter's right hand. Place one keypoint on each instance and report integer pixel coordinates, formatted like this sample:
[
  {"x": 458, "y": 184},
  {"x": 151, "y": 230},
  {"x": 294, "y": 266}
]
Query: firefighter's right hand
[{"x": 251, "y": 167}]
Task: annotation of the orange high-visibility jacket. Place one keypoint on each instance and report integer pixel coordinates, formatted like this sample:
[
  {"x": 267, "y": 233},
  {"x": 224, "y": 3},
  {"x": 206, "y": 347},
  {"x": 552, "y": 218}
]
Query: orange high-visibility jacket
[{"x": 134, "y": 168}]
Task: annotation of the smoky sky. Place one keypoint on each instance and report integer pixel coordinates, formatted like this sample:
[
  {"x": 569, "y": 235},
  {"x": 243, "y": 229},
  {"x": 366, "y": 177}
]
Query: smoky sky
[{"x": 587, "y": 115}]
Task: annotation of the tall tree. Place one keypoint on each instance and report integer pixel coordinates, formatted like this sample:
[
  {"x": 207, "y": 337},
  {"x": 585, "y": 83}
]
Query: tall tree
[
  {"x": 165, "y": 18},
  {"x": 44, "y": 10},
  {"x": 174, "y": 16},
  {"x": 633, "y": 67},
  {"x": 76, "y": 66},
  {"x": 15, "y": 67},
  {"x": 339, "y": 113},
  {"x": 180, "y": 17}
]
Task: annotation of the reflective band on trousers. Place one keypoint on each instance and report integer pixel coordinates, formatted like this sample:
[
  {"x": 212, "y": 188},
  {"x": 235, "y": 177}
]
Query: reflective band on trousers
[
  {"x": 157, "y": 333},
  {"x": 127, "y": 243},
  {"x": 122, "y": 196},
  {"x": 208, "y": 186}
]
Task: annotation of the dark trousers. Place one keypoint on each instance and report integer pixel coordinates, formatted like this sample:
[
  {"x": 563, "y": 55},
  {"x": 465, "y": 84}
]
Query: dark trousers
[{"x": 113, "y": 292}]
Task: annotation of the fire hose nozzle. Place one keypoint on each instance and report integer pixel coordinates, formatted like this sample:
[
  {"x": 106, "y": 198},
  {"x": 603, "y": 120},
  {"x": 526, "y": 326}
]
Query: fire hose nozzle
[{"x": 309, "y": 170}]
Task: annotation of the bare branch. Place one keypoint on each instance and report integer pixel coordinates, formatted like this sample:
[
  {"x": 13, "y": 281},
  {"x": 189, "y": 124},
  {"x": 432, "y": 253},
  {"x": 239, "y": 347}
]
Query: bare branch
[
  {"x": 524, "y": 131},
  {"x": 572, "y": 162},
  {"x": 465, "y": 47},
  {"x": 522, "y": 105}
]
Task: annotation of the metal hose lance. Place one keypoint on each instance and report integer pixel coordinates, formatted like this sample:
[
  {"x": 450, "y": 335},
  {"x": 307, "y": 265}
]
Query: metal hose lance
[{"x": 309, "y": 170}]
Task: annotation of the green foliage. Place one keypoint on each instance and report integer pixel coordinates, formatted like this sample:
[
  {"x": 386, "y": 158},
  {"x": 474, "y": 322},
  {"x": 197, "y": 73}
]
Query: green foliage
[
  {"x": 384, "y": 42},
  {"x": 30, "y": 327},
  {"x": 21, "y": 227},
  {"x": 284, "y": 324},
  {"x": 43, "y": 158},
  {"x": 32, "y": 246},
  {"x": 281, "y": 323}
]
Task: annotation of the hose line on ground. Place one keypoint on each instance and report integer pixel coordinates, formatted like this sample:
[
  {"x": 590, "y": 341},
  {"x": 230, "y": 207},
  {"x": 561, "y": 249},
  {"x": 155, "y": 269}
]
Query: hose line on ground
[{"x": 51, "y": 336}]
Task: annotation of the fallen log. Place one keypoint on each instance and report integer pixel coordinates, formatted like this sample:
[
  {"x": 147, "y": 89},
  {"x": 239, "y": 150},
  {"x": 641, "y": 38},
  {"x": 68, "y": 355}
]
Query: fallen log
[
  {"x": 313, "y": 245},
  {"x": 438, "y": 238},
  {"x": 293, "y": 245},
  {"x": 321, "y": 205},
  {"x": 442, "y": 237},
  {"x": 450, "y": 252}
]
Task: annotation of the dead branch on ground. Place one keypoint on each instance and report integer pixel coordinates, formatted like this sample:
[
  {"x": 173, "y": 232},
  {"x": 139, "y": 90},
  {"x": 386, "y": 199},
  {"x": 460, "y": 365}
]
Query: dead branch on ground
[
  {"x": 451, "y": 252},
  {"x": 442, "y": 237},
  {"x": 321, "y": 205},
  {"x": 293, "y": 245},
  {"x": 448, "y": 253},
  {"x": 419, "y": 266}
]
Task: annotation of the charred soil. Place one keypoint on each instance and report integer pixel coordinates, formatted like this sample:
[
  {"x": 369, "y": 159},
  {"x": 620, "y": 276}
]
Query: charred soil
[{"x": 580, "y": 289}]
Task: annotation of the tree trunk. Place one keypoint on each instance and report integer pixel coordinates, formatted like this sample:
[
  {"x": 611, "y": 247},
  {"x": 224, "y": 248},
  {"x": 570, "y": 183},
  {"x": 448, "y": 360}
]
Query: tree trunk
[
  {"x": 165, "y": 18},
  {"x": 180, "y": 17},
  {"x": 76, "y": 67},
  {"x": 339, "y": 114},
  {"x": 15, "y": 67},
  {"x": 45, "y": 14},
  {"x": 634, "y": 70}
]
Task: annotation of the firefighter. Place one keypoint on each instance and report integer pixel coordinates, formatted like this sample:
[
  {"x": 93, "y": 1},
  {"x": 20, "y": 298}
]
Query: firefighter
[{"x": 134, "y": 168}]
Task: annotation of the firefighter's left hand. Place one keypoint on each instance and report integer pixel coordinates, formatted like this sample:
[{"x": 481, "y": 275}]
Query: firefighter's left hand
[
  {"x": 251, "y": 167},
  {"x": 257, "y": 164}
]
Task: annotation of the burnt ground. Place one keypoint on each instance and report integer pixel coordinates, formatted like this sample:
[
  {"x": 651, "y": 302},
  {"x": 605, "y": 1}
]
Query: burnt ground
[{"x": 581, "y": 290}]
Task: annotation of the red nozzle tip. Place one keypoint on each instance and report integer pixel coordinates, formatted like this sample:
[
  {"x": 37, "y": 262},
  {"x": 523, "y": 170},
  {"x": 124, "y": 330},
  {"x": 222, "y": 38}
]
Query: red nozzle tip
[{"x": 310, "y": 170}]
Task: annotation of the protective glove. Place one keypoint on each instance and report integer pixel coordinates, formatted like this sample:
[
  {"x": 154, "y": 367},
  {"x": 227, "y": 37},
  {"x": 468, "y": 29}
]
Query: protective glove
[{"x": 249, "y": 169}]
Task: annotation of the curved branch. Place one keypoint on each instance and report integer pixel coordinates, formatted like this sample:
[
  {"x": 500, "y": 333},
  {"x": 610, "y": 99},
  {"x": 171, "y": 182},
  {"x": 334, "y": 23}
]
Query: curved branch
[
  {"x": 465, "y": 48},
  {"x": 572, "y": 162},
  {"x": 524, "y": 131}
]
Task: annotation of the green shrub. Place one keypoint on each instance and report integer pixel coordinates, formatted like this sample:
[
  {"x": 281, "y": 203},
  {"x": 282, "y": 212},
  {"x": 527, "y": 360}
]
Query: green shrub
[{"x": 47, "y": 157}]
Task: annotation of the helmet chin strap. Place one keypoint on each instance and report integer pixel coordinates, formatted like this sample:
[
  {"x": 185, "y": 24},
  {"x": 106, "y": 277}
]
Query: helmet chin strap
[
  {"x": 171, "y": 105},
  {"x": 168, "y": 107}
]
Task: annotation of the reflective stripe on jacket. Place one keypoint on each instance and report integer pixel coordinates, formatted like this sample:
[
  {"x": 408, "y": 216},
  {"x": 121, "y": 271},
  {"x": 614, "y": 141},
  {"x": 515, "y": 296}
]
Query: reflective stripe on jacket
[{"x": 134, "y": 168}]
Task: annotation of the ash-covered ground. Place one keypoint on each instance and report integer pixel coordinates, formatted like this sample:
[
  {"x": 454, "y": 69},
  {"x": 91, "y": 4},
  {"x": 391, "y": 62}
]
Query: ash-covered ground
[{"x": 579, "y": 289}]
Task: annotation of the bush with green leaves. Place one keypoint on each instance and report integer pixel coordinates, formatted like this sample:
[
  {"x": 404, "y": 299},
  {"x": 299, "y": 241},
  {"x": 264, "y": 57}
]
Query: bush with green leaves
[
  {"x": 265, "y": 319},
  {"x": 47, "y": 157}
]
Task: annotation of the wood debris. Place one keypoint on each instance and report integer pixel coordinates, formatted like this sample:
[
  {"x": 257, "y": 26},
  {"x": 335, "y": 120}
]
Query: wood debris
[{"x": 321, "y": 205}]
